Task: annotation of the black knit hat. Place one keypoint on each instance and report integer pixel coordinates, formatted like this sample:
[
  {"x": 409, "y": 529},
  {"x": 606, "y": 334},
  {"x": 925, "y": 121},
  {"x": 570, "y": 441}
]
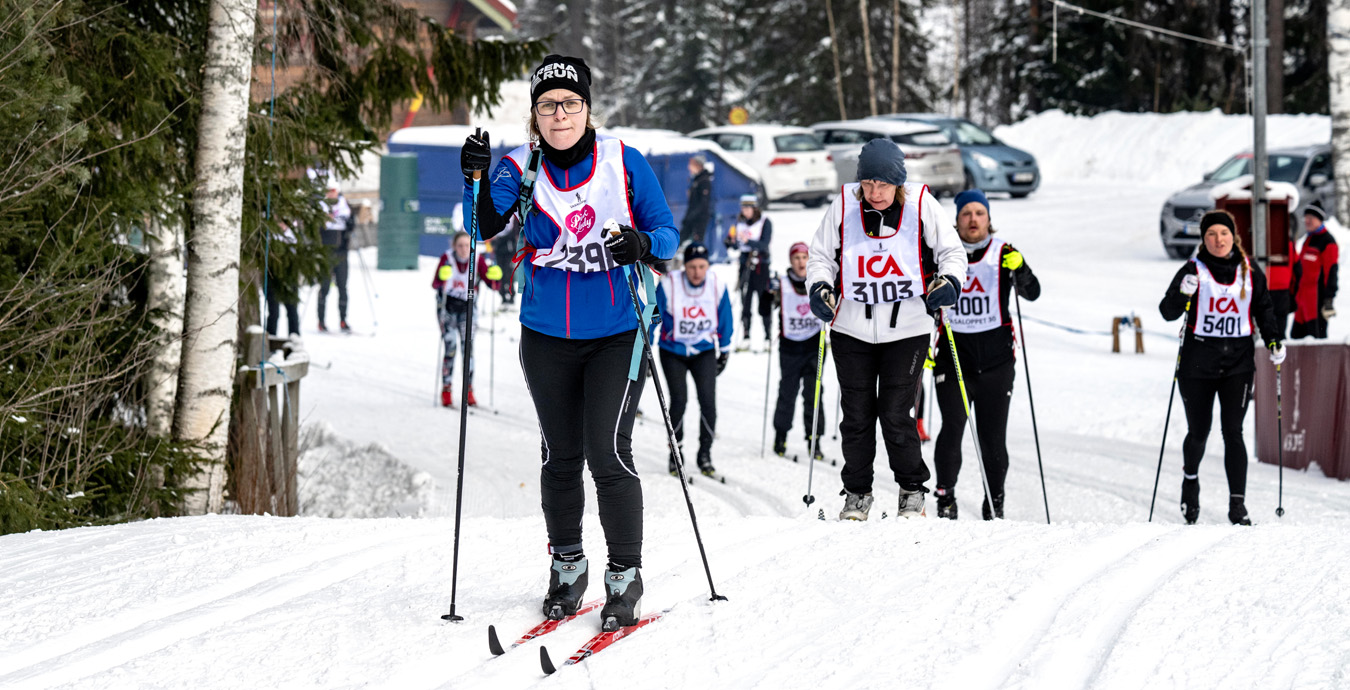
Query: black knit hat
[
  {"x": 695, "y": 251},
  {"x": 561, "y": 72},
  {"x": 1216, "y": 217},
  {"x": 1315, "y": 209},
  {"x": 882, "y": 160}
]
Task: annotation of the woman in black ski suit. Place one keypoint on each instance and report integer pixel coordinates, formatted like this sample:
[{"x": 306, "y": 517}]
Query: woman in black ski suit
[{"x": 1224, "y": 296}]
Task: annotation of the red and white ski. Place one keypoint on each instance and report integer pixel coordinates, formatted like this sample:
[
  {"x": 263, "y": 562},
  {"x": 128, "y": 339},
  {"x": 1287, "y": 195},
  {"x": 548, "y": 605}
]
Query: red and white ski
[
  {"x": 598, "y": 643},
  {"x": 548, "y": 626}
]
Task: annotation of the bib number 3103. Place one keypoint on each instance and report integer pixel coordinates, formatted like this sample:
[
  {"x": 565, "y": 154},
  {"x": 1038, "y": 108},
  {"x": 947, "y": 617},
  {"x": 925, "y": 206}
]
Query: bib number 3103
[{"x": 876, "y": 292}]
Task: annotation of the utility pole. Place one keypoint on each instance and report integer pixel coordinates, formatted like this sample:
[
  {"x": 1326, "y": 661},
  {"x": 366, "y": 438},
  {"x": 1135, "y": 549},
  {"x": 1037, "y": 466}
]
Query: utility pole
[{"x": 1260, "y": 163}]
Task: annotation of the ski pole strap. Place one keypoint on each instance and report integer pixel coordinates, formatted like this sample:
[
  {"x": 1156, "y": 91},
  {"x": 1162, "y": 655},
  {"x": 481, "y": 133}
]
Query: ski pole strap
[
  {"x": 526, "y": 201},
  {"x": 644, "y": 314}
]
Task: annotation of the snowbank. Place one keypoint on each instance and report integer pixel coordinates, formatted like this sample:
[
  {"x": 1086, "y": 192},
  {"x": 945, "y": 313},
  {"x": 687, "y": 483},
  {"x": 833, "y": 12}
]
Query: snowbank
[
  {"x": 1174, "y": 149},
  {"x": 342, "y": 479}
]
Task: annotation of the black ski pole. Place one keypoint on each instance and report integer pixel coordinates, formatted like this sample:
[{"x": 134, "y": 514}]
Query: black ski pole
[
  {"x": 764, "y": 427},
  {"x": 1279, "y": 438},
  {"x": 838, "y": 410},
  {"x": 1176, "y": 369},
  {"x": 1032, "y": 400},
  {"x": 440, "y": 353},
  {"x": 970, "y": 414},
  {"x": 612, "y": 227},
  {"x": 464, "y": 394},
  {"x": 808, "y": 499}
]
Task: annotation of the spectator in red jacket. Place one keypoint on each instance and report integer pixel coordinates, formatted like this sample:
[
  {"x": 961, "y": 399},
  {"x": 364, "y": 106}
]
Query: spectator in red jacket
[{"x": 1314, "y": 277}]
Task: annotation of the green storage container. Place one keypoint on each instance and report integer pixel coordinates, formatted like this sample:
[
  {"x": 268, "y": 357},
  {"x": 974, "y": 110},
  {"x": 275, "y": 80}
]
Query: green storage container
[{"x": 400, "y": 217}]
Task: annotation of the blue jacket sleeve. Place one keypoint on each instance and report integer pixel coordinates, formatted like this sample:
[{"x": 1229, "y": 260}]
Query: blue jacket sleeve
[
  {"x": 662, "y": 308},
  {"x": 726, "y": 323},
  {"x": 651, "y": 214}
]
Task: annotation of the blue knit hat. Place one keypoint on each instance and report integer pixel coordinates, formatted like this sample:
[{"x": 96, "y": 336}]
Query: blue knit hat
[
  {"x": 971, "y": 195},
  {"x": 883, "y": 161}
]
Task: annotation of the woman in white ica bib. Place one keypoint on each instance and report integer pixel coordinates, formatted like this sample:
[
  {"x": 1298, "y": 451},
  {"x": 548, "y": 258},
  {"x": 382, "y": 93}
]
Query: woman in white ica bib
[
  {"x": 881, "y": 261},
  {"x": 1225, "y": 299},
  {"x": 696, "y": 330}
]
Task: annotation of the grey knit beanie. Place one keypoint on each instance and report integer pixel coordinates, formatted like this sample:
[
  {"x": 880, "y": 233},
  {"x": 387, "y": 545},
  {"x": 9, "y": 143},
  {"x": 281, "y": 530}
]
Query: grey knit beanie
[{"x": 882, "y": 160}]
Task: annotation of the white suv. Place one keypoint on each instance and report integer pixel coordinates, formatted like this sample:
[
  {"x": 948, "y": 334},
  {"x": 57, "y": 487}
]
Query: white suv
[
  {"x": 791, "y": 160},
  {"x": 930, "y": 157}
]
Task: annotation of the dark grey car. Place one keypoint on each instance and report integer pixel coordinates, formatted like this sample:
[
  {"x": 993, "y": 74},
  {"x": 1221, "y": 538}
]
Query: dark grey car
[
  {"x": 1306, "y": 167},
  {"x": 990, "y": 164}
]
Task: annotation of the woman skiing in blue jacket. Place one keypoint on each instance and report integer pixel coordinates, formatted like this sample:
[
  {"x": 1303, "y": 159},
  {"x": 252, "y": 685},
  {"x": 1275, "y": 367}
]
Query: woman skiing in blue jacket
[{"x": 578, "y": 321}]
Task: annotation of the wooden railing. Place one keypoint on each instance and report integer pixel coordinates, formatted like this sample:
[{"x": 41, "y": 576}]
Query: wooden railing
[{"x": 268, "y": 451}]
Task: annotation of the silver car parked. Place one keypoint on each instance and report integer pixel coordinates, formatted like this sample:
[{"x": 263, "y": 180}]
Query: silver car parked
[
  {"x": 1306, "y": 167},
  {"x": 930, "y": 156}
]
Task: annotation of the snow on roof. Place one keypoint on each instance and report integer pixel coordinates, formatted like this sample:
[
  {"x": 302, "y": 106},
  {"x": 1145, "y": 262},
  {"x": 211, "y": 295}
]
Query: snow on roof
[
  {"x": 884, "y": 126},
  {"x": 453, "y": 136},
  {"x": 762, "y": 127},
  {"x": 1240, "y": 188}
]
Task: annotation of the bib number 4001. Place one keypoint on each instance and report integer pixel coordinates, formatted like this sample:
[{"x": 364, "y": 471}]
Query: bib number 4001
[{"x": 883, "y": 291}]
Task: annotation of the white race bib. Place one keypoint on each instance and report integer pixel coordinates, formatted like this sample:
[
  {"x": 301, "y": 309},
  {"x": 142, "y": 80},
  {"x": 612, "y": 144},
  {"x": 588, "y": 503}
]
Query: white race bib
[
  {"x": 580, "y": 211},
  {"x": 877, "y": 270},
  {"x": 747, "y": 233},
  {"x": 457, "y": 285},
  {"x": 693, "y": 310},
  {"x": 1223, "y": 311},
  {"x": 980, "y": 307},
  {"x": 798, "y": 322}
]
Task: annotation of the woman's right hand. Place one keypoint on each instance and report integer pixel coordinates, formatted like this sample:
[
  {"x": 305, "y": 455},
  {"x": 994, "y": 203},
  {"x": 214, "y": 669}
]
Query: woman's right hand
[
  {"x": 476, "y": 155},
  {"x": 1189, "y": 284}
]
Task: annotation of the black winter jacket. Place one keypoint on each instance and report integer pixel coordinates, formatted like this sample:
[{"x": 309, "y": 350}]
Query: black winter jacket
[
  {"x": 1216, "y": 357},
  {"x": 981, "y": 352}
]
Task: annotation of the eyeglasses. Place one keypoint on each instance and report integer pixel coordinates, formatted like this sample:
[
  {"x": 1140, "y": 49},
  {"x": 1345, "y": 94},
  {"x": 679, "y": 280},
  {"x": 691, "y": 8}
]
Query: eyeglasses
[{"x": 571, "y": 106}]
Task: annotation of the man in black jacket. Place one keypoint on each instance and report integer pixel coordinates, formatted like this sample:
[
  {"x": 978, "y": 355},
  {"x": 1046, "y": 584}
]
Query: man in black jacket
[
  {"x": 699, "y": 211},
  {"x": 986, "y": 345}
]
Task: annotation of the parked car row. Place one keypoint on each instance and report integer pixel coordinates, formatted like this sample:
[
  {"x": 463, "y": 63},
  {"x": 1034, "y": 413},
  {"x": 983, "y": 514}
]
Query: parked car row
[
  {"x": 1306, "y": 167},
  {"x": 807, "y": 165}
]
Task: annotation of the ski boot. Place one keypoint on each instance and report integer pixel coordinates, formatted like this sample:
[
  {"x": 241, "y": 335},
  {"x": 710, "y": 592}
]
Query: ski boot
[
  {"x": 471, "y": 401},
  {"x": 705, "y": 464},
  {"x": 911, "y": 504},
  {"x": 342, "y": 325},
  {"x": 322, "y": 327},
  {"x": 623, "y": 598},
  {"x": 946, "y": 503},
  {"x": 1237, "y": 511},
  {"x": 674, "y": 465},
  {"x": 566, "y": 585},
  {"x": 780, "y": 443},
  {"x": 856, "y": 506},
  {"x": 447, "y": 397},
  {"x": 997, "y": 512},
  {"x": 814, "y": 446},
  {"x": 1190, "y": 499}
]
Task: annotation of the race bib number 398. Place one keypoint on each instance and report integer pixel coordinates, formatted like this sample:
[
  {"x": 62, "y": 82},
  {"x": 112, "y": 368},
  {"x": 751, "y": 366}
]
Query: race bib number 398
[{"x": 584, "y": 258}]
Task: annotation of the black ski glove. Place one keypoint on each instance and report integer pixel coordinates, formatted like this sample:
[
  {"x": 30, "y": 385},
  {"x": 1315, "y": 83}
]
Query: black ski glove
[
  {"x": 628, "y": 246},
  {"x": 823, "y": 302},
  {"x": 722, "y": 362},
  {"x": 942, "y": 292},
  {"x": 476, "y": 155}
]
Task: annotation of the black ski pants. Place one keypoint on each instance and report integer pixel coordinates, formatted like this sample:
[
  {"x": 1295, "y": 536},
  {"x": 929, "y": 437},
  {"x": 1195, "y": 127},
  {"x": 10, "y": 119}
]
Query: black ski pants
[
  {"x": 797, "y": 372},
  {"x": 586, "y": 406},
  {"x": 1197, "y": 396},
  {"x": 337, "y": 275},
  {"x": 703, "y": 367},
  {"x": 274, "y": 306},
  {"x": 990, "y": 393},
  {"x": 877, "y": 382},
  {"x": 748, "y": 294}
]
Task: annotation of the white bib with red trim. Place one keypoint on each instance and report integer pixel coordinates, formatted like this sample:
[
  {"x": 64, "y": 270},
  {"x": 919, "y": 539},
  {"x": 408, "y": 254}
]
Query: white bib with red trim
[
  {"x": 1223, "y": 311},
  {"x": 798, "y": 322},
  {"x": 981, "y": 305},
  {"x": 693, "y": 310},
  {"x": 877, "y": 270},
  {"x": 748, "y": 232},
  {"x": 580, "y": 212},
  {"x": 457, "y": 285}
]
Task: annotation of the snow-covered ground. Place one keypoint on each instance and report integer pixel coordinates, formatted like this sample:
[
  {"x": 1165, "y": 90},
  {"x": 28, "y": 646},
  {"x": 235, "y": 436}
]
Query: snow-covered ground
[{"x": 1098, "y": 599}]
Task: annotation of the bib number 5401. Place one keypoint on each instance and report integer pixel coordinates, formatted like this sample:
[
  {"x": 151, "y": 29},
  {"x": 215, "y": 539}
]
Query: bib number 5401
[{"x": 875, "y": 292}]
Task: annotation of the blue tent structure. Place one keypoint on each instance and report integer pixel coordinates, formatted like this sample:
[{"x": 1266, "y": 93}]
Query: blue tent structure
[{"x": 440, "y": 183}]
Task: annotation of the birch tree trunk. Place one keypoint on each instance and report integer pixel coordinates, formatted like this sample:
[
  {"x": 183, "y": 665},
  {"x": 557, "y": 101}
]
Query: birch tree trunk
[
  {"x": 867, "y": 58},
  {"x": 211, "y": 317},
  {"x": 834, "y": 48},
  {"x": 165, "y": 300},
  {"x": 895, "y": 56},
  {"x": 1338, "y": 69}
]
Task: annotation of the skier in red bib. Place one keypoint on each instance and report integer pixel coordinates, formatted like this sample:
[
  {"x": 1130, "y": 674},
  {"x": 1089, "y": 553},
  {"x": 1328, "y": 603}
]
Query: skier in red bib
[
  {"x": 986, "y": 345},
  {"x": 868, "y": 281},
  {"x": 1224, "y": 298},
  {"x": 451, "y": 282}
]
